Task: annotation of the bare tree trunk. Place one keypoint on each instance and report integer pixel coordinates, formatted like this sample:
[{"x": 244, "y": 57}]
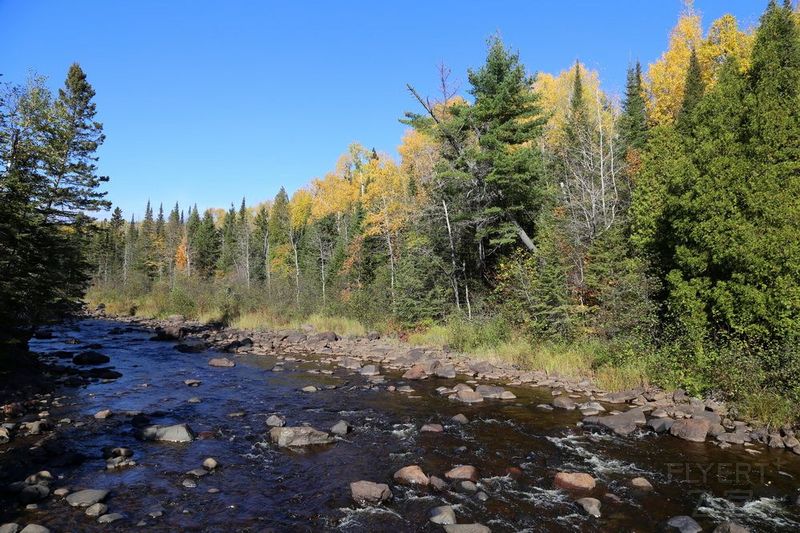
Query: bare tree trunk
[{"x": 454, "y": 279}]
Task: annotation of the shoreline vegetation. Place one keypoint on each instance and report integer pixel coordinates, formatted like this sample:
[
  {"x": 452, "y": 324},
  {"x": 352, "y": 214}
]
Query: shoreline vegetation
[{"x": 534, "y": 219}]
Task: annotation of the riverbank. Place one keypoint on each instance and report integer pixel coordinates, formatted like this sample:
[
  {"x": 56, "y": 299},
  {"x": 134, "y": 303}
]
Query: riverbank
[{"x": 386, "y": 424}]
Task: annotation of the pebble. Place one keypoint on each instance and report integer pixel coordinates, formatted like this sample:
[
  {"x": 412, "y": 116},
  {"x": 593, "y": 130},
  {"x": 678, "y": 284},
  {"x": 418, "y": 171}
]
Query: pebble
[{"x": 210, "y": 463}]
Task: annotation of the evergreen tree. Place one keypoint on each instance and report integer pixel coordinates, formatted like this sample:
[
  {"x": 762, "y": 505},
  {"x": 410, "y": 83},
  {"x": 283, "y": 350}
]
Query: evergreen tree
[
  {"x": 693, "y": 91},
  {"x": 633, "y": 120},
  {"x": 206, "y": 246}
]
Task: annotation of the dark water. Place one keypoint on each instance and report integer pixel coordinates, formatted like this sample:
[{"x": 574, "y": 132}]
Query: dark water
[{"x": 262, "y": 488}]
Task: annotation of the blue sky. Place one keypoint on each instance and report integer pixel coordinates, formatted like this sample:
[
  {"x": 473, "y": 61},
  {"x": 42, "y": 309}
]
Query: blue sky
[{"x": 205, "y": 102}]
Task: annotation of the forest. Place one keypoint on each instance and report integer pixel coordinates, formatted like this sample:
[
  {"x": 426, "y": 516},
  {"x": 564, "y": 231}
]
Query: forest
[{"x": 652, "y": 237}]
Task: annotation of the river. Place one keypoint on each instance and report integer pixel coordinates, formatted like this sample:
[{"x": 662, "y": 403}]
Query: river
[{"x": 516, "y": 448}]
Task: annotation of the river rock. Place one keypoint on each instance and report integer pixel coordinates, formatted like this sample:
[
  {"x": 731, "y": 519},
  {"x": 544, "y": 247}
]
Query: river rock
[
  {"x": 574, "y": 481},
  {"x": 466, "y": 528},
  {"x": 192, "y": 346},
  {"x": 437, "y": 483},
  {"x": 564, "y": 402},
  {"x": 349, "y": 363},
  {"x": 60, "y": 492},
  {"x": 174, "y": 433},
  {"x": 109, "y": 518},
  {"x": 102, "y": 415},
  {"x": 447, "y": 371},
  {"x": 468, "y": 396},
  {"x": 590, "y": 506},
  {"x": 432, "y": 428},
  {"x": 10, "y": 528},
  {"x": 192, "y": 382},
  {"x": 691, "y": 429},
  {"x": 370, "y": 492},
  {"x": 412, "y": 475},
  {"x": 5, "y": 435},
  {"x": 34, "y": 493},
  {"x": 369, "y": 370},
  {"x": 621, "y": 424},
  {"x": 443, "y": 515},
  {"x": 87, "y": 497},
  {"x": 34, "y": 528},
  {"x": 276, "y": 421},
  {"x": 460, "y": 419},
  {"x": 462, "y": 472},
  {"x": 90, "y": 357},
  {"x": 221, "y": 362},
  {"x": 169, "y": 333},
  {"x": 660, "y": 425},
  {"x": 730, "y": 527},
  {"x": 286, "y": 437},
  {"x": 96, "y": 510},
  {"x": 416, "y": 372},
  {"x": 490, "y": 391},
  {"x": 309, "y": 388},
  {"x": 641, "y": 483},
  {"x": 209, "y": 463},
  {"x": 341, "y": 428},
  {"x": 684, "y": 524}
]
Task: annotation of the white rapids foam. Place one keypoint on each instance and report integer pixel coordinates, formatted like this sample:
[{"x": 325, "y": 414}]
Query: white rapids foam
[{"x": 762, "y": 511}]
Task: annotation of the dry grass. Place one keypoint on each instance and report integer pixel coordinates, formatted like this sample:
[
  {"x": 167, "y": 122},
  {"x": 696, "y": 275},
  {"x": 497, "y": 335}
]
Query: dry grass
[{"x": 343, "y": 326}]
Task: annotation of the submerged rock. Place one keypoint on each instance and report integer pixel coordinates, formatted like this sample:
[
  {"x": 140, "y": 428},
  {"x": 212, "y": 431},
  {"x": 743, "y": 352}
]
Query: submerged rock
[
  {"x": 370, "y": 492},
  {"x": 298, "y": 436},
  {"x": 564, "y": 402},
  {"x": 90, "y": 357},
  {"x": 221, "y": 362}
]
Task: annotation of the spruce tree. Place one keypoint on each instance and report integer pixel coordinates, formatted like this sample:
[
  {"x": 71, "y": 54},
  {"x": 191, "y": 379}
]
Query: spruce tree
[
  {"x": 633, "y": 120},
  {"x": 693, "y": 91}
]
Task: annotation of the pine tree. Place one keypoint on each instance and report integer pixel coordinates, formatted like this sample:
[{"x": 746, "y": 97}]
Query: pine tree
[{"x": 206, "y": 246}]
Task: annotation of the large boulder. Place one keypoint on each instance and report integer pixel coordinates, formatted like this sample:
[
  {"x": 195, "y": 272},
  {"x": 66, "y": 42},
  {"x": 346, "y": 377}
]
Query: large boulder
[
  {"x": 574, "y": 481},
  {"x": 169, "y": 333},
  {"x": 468, "y": 396},
  {"x": 286, "y": 437},
  {"x": 691, "y": 429},
  {"x": 174, "y": 433},
  {"x": 369, "y": 492},
  {"x": 90, "y": 357},
  {"x": 416, "y": 372}
]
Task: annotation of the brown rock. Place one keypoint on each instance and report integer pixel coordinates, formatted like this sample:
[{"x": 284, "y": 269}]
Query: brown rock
[
  {"x": 574, "y": 481},
  {"x": 222, "y": 362},
  {"x": 369, "y": 492},
  {"x": 463, "y": 472},
  {"x": 412, "y": 475}
]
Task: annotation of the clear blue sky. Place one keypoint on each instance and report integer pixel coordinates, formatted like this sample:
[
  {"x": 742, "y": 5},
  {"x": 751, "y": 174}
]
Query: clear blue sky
[{"x": 207, "y": 102}]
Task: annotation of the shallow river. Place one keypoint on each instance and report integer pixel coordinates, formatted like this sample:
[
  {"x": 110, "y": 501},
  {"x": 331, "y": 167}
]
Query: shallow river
[{"x": 262, "y": 488}]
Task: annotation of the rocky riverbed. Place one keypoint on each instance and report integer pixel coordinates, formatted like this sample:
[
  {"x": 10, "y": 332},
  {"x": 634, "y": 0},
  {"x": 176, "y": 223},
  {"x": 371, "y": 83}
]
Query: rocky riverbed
[{"x": 178, "y": 426}]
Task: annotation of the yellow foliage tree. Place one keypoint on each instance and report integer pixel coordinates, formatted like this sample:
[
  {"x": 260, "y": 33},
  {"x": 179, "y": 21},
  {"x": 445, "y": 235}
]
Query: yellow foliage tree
[{"x": 667, "y": 76}]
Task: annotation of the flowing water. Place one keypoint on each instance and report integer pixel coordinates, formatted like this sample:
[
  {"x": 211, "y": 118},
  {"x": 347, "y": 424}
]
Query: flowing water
[{"x": 262, "y": 488}]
